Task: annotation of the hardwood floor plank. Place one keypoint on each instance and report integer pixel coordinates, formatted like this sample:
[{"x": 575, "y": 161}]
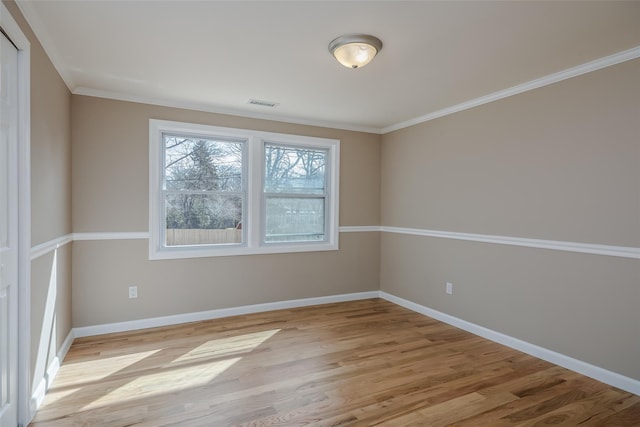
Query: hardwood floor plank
[
  {"x": 459, "y": 408},
  {"x": 625, "y": 417},
  {"x": 360, "y": 363},
  {"x": 580, "y": 411}
]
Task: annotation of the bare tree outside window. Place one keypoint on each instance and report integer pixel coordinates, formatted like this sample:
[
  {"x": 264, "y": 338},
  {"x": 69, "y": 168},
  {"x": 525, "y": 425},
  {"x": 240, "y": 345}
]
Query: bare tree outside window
[{"x": 203, "y": 188}]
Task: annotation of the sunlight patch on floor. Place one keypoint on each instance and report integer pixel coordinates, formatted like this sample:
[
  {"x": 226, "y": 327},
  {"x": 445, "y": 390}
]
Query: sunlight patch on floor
[
  {"x": 226, "y": 347},
  {"x": 191, "y": 369},
  {"x": 78, "y": 373},
  {"x": 167, "y": 381}
]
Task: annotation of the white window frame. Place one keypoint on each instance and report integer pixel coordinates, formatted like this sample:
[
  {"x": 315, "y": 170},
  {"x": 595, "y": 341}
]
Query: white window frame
[{"x": 253, "y": 211}]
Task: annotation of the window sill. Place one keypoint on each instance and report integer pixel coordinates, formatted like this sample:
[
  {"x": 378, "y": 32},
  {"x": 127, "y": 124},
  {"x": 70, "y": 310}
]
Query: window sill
[{"x": 209, "y": 252}]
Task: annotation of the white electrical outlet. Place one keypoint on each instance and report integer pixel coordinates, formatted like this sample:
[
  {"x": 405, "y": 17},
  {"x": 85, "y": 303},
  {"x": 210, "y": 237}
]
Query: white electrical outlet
[
  {"x": 449, "y": 288},
  {"x": 133, "y": 292}
]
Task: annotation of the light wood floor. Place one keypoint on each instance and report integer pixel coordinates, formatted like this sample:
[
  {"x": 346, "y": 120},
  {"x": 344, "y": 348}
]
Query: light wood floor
[{"x": 359, "y": 363}]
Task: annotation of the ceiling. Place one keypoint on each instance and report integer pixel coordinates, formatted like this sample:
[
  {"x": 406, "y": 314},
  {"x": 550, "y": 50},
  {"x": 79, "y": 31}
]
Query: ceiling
[{"x": 216, "y": 55}]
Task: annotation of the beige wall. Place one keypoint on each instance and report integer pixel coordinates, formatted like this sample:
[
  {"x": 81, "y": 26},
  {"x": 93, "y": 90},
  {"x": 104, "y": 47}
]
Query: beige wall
[
  {"x": 103, "y": 270},
  {"x": 110, "y": 194},
  {"x": 50, "y": 204},
  {"x": 111, "y": 156},
  {"x": 559, "y": 163}
]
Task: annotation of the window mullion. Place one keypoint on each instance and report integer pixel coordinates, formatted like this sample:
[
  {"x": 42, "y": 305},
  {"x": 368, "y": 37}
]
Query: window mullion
[{"x": 254, "y": 196}]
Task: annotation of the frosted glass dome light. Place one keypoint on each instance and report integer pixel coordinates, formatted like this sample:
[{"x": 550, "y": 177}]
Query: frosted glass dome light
[{"x": 355, "y": 50}]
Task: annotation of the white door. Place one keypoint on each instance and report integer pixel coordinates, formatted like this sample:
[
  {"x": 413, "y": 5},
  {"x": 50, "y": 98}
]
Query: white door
[{"x": 8, "y": 233}]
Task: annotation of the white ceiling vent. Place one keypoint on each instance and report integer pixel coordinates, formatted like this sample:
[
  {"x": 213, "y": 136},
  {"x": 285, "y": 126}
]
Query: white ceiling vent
[{"x": 269, "y": 104}]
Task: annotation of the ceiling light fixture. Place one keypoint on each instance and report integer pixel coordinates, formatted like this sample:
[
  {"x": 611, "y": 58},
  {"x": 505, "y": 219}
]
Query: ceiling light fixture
[{"x": 355, "y": 50}]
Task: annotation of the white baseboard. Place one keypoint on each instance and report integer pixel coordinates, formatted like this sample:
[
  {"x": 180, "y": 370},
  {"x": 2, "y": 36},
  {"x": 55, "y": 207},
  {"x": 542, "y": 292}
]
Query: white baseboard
[
  {"x": 620, "y": 381},
  {"x": 608, "y": 377},
  {"x": 38, "y": 394},
  {"x": 216, "y": 314}
]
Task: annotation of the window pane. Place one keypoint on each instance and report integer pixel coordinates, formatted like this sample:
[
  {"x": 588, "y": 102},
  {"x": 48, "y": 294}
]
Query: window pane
[
  {"x": 193, "y": 163},
  {"x": 199, "y": 219},
  {"x": 294, "y": 219},
  {"x": 294, "y": 170}
]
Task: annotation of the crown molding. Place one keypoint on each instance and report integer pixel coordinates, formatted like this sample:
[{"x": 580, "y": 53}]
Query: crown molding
[
  {"x": 598, "y": 64},
  {"x": 186, "y": 105},
  {"x": 40, "y": 30},
  {"x": 607, "y": 61},
  {"x": 43, "y": 36}
]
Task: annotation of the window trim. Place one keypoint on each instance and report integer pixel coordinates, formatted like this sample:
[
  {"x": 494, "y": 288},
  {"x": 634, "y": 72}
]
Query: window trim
[{"x": 253, "y": 218}]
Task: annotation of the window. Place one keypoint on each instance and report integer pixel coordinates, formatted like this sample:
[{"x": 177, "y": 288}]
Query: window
[
  {"x": 294, "y": 193},
  {"x": 203, "y": 190},
  {"x": 220, "y": 191}
]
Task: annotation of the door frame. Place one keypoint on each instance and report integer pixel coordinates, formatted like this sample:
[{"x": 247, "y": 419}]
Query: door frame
[{"x": 11, "y": 28}]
